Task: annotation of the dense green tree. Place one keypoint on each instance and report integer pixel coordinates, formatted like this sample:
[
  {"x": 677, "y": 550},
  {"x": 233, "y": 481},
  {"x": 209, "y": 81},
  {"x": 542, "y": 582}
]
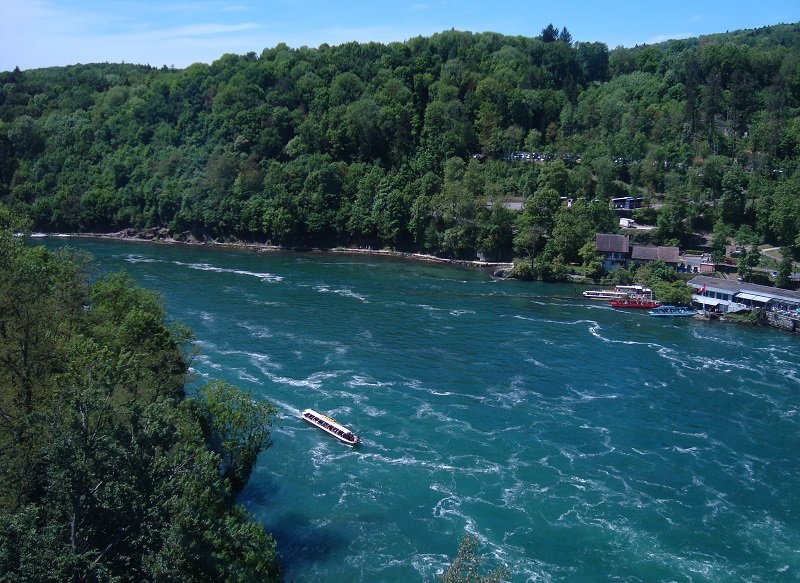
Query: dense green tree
[
  {"x": 591, "y": 259},
  {"x": 719, "y": 241},
  {"x": 671, "y": 223},
  {"x": 783, "y": 280},
  {"x": 572, "y": 230},
  {"x": 236, "y": 427},
  {"x": 655, "y": 271},
  {"x": 676, "y": 293},
  {"x": 549, "y": 33},
  {"x": 593, "y": 59},
  {"x": 107, "y": 473},
  {"x": 555, "y": 177},
  {"x": 733, "y": 200},
  {"x": 542, "y": 207}
]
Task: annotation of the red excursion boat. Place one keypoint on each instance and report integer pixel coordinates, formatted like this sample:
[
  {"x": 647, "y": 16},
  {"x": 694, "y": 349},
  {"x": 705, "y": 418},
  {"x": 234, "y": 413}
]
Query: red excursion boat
[{"x": 634, "y": 302}]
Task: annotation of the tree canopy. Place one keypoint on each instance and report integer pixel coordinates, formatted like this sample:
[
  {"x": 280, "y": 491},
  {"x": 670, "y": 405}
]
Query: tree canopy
[
  {"x": 356, "y": 144},
  {"x": 109, "y": 472}
]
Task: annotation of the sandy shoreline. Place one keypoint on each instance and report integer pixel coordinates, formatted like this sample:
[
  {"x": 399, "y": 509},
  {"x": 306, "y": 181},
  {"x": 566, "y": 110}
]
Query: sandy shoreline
[{"x": 265, "y": 248}]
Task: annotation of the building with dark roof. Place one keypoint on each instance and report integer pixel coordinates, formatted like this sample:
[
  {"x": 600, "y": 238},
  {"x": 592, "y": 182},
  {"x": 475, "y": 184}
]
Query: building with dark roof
[
  {"x": 614, "y": 249},
  {"x": 643, "y": 254}
]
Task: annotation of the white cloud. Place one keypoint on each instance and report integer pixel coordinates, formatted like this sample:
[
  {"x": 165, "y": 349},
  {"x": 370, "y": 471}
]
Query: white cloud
[
  {"x": 380, "y": 34},
  {"x": 660, "y": 38},
  {"x": 37, "y": 33},
  {"x": 197, "y": 31}
]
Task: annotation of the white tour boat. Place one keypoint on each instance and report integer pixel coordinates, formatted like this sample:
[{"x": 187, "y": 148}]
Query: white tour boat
[
  {"x": 619, "y": 292},
  {"x": 331, "y": 426},
  {"x": 603, "y": 294}
]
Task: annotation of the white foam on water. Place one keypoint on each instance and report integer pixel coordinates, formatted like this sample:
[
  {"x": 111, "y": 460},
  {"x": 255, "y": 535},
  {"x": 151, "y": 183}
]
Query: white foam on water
[
  {"x": 314, "y": 381},
  {"x": 358, "y": 381},
  {"x": 344, "y": 292},
  {"x": 461, "y": 312},
  {"x": 206, "y": 361},
  {"x": 133, "y": 258},
  {"x": 243, "y": 375},
  {"x": 426, "y": 410},
  {"x": 267, "y": 277},
  {"x": 256, "y": 330},
  {"x": 539, "y": 364},
  {"x": 509, "y": 397},
  {"x": 776, "y": 539},
  {"x": 194, "y": 371}
]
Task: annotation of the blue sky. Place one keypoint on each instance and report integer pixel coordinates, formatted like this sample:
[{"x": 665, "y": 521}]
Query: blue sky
[{"x": 42, "y": 33}]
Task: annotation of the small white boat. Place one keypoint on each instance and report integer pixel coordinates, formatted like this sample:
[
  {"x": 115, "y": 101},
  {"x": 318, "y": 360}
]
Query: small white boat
[
  {"x": 672, "y": 311},
  {"x": 603, "y": 294},
  {"x": 331, "y": 426}
]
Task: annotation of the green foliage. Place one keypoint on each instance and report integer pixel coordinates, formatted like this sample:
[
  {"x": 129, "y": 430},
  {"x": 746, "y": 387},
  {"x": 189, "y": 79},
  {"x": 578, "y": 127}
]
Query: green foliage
[
  {"x": 13, "y": 222},
  {"x": 466, "y": 566},
  {"x": 354, "y": 144},
  {"x": 676, "y": 293},
  {"x": 719, "y": 241},
  {"x": 236, "y": 427},
  {"x": 749, "y": 255},
  {"x": 654, "y": 271},
  {"x": 577, "y": 225},
  {"x": 664, "y": 282},
  {"x": 106, "y": 475},
  {"x": 783, "y": 280},
  {"x": 591, "y": 260}
]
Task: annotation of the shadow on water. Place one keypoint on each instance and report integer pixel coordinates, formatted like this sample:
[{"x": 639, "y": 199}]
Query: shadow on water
[
  {"x": 302, "y": 540},
  {"x": 302, "y": 543}
]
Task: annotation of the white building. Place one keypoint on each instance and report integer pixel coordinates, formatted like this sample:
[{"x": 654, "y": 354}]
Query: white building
[{"x": 725, "y": 295}]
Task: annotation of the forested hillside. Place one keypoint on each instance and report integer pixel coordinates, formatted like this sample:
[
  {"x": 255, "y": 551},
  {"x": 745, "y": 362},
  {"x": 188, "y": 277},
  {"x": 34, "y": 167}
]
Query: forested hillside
[
  {"x": 415, "y": 145},
  {"x": 107, "y": 471}
]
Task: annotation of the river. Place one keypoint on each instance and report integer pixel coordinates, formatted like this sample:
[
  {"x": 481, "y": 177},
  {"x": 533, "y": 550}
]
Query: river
[{"x": 575, "y": 441}]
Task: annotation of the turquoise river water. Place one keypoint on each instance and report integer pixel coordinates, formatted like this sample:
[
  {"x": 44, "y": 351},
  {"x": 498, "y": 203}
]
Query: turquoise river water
[{"x": 576, "y": 441}]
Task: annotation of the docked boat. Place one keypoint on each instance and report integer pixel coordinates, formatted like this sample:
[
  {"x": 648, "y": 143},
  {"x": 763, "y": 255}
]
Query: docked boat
[
  {"x": 633, "y": 302},
  {"x": 603, "y": 294},
  {"x": 620, "y": 291},
  {"x": 672, "y": 311},
  {"x": 638, "y": 291},
  {"x": 331, "y": 426}
]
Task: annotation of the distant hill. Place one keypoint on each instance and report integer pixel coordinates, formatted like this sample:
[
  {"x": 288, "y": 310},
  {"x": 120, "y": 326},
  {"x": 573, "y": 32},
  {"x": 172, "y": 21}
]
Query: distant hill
[{"x": 406, "y": 145}]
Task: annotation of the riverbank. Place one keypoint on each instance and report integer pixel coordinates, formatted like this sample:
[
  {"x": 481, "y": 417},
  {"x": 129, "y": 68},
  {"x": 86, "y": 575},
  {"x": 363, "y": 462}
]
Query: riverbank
[
  {"x": 162, "y": 236},
  {"x": 499, "y": 269}
]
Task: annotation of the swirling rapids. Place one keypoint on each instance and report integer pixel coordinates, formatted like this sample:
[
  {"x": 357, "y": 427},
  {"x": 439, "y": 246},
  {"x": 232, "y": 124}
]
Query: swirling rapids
[{"x": 577, "y": 442}]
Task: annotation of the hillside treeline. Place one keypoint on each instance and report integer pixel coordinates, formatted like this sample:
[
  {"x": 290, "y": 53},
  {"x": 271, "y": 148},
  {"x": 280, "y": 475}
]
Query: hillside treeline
[
  {"x": 108, "y": 472},
  {"x": 417, "y": 145}
]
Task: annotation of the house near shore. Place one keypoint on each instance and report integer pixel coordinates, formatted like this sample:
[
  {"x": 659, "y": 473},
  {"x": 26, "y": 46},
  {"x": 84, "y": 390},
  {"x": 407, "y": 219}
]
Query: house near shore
[
  {"x": 644, "y": 254},
  {"x": 614, "y": 250},
  {"x": 724, "y": 295}
]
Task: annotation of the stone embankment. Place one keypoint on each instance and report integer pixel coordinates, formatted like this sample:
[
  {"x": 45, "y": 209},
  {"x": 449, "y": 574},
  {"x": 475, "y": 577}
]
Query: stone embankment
[{"x": 783, "y": 321}]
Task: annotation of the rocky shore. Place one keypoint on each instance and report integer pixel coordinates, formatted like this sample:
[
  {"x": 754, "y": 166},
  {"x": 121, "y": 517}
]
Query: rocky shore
[{"x": 164, "y": 236}]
